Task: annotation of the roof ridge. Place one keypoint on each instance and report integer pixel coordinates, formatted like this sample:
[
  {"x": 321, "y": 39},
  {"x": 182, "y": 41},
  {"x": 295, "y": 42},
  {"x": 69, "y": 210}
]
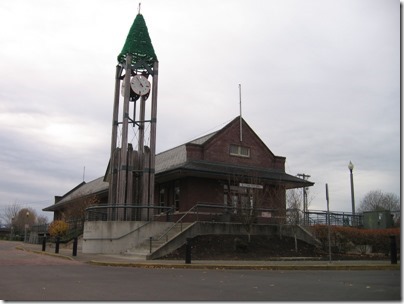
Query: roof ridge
[
  {"x": 205, "y": 134},
  {"x": 189, "y": 142}
]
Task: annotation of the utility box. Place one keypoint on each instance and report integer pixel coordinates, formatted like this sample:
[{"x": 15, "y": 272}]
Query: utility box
[{"x": 377, "y": 219}]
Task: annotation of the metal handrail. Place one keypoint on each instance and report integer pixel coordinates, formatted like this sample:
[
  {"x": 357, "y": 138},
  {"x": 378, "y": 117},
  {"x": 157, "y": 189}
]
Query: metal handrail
[
  {"x": 180, "y": 220},
  {"x": 118, "y": 237},
  {"x": 202, "y": 205},
  {"x": 336, "y": 218},
  {"x": 101, "y": 207}
]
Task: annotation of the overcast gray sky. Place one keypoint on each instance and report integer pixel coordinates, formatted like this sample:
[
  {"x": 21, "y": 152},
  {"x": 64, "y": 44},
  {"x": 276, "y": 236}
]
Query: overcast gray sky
[{"x": 320, "y": 85}]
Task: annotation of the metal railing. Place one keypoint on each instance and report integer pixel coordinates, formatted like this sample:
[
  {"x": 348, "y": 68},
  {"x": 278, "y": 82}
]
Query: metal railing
[
  {"x": 221, "y": 213},
  {"x": 120, "y": 236},
  {"x": 319, "y": 217},
  {"x": 196, "y": 212},
  {"x": 199, "y": 211},
  {"x": 175, "y": 224},
  {"x": 214, "y": 212},
  {"x": 125, "y": 213},
  {"x": 37, "y": 232}
]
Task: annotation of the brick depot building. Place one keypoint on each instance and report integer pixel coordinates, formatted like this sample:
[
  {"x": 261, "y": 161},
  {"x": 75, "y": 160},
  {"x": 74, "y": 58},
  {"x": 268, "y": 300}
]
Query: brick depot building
[{"x": 231, "y": 167}]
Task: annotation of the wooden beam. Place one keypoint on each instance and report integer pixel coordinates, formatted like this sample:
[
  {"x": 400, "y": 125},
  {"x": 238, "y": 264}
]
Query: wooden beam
[
  {"x": 153, "y": 128},
  {"x": 115, "y": 110},
  {"x": 122, "y": 175}
]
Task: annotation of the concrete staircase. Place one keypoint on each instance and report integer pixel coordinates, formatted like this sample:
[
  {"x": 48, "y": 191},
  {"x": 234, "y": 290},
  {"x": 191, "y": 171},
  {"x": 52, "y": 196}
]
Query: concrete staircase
[
  {"x": 174, "y": 237},
  {"x": 143, "y": 249}
]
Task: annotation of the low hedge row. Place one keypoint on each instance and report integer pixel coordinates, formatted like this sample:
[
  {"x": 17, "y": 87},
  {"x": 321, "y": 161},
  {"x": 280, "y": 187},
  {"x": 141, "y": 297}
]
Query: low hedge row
[{"x": 347, "y": 238}]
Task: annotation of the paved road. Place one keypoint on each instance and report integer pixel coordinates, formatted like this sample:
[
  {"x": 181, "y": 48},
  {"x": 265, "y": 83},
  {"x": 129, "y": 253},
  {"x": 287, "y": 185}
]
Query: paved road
[{"x": 30, "y": 276}]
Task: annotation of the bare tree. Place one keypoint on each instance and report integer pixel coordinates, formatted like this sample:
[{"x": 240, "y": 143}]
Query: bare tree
[
  {"x": 76, "y": 210},
  {"x": 9, "y": 213},
  {"x": 25, "y": 218},
  {"x": 377, "y": 200},
  {"x": 294, "y": 214},
  {"x": 294, "y": 203},
  {"x": 247, "y": 194},
  {"x": 41, "y": 220},
  {"x": 248, "y": 207}
]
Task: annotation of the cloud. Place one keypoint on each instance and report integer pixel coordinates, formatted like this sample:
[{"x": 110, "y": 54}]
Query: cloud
[{"x": 320, "y": 86}]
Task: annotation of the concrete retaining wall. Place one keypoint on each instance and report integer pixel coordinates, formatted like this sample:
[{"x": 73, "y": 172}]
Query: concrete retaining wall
[
  {"x": 301, "y": 234},
  {"x": 116, "y": 236}
]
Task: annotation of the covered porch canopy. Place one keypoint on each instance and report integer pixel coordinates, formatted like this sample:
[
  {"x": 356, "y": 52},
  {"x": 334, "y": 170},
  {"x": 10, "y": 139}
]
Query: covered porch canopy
[{"x": 205, "y": 169}]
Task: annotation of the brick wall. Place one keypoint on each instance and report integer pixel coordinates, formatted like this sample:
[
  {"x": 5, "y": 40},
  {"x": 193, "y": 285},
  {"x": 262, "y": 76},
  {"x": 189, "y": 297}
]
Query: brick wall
[{"x": 218, "y": 149}]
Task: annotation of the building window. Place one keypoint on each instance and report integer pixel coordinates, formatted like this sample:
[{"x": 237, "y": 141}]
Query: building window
[
  {"x": 177, "y": 198},
  {"x": 234, "y": 199},
  {"x": 241, "y": 197},
  {"x": 162, "y": 199},
  {"x": 237, "y": 150}
]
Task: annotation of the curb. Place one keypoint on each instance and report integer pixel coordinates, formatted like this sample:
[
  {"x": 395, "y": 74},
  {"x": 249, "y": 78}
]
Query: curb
[
  {"x": 45, "y": 253},
  {"x": 250, "y": 267},
  {"x": 221, "y": 266}
]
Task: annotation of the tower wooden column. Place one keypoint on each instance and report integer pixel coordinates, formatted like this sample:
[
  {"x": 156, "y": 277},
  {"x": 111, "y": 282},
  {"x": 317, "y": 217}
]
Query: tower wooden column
[
  {"x": 153, "y": 129},
  {"x": 131, "y": 166}
]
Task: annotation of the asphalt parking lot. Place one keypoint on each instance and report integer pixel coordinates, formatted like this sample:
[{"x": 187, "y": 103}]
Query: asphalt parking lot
[{"x": 34, "y": 276}]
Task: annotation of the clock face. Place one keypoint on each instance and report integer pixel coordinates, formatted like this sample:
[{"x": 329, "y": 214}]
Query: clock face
[{"x": 140, "y": 85}]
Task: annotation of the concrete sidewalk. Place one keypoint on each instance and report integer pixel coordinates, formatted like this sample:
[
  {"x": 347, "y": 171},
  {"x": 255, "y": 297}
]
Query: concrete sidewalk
[{"x": 298, "y": 263}]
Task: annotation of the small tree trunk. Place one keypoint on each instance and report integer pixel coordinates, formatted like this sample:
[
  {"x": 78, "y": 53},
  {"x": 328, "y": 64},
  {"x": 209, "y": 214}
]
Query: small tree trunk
[{"x": 295, "y": 242}]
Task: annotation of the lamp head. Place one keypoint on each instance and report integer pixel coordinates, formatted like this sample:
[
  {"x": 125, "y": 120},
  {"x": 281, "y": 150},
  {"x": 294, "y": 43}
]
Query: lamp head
[{"x": 350, "y": 166}]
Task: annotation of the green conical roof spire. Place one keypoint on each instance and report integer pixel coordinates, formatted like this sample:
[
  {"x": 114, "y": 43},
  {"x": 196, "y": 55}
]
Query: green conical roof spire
[{"x": 138, "y": 43}]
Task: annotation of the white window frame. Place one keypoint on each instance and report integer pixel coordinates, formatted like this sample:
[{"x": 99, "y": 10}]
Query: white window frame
[{"x": 237, "y": 150}]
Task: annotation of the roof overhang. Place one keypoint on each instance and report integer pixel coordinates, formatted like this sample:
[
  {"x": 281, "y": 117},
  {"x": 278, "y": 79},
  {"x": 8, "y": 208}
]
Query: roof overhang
[{"x": 224, "y": 171}]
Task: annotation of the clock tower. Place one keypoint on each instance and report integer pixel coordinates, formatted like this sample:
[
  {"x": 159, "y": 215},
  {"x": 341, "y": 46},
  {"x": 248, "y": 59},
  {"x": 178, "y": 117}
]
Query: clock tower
[{"x": 131, "y": 166}]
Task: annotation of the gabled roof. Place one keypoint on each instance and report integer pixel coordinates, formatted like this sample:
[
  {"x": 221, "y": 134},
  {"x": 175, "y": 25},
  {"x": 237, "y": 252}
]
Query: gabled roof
[
  {"x": 176, "y": 156},
  {"x": 82, "y": 190},
  {"x": 174, "y": 161},
  {"x": 244, "y": 124}
]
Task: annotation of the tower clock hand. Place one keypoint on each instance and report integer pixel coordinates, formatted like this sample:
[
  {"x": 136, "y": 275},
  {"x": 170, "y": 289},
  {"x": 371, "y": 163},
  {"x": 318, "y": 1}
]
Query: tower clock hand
[{"x": 140, "y": 82}]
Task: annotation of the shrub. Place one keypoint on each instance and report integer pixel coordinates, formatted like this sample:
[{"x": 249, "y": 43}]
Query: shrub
[
  {"x": 58, "y": 228},
  {"x": 346, "y": 237}
]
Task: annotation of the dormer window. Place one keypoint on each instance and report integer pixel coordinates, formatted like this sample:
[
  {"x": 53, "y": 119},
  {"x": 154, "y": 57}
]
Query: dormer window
[{"x": 236, "y": 150}]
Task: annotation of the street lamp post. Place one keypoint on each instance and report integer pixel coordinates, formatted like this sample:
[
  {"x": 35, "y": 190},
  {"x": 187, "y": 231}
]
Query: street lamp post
[
  {"x": 25, "y": 230},
  {"x": 350, "y": 167},
  {"x": 11, "y": 228}
]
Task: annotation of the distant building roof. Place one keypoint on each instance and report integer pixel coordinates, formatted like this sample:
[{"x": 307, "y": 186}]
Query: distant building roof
[
  {"x": 176, "y": 156},
  {"x": 82, "y": 190}
]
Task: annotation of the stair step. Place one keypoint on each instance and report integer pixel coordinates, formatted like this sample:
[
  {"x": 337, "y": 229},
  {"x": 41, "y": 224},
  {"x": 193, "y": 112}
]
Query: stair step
[{"x": 143, "y": 249}]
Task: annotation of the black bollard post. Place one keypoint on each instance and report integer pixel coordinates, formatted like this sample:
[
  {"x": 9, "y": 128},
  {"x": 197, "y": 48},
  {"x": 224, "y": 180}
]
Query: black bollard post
[
  {"x": 57, "y": 244},
  {"x": 393, "y": 249},
  {"x": 44, "y": 243},
  {"x": 75, "y": 246},
  {"x": 188, "y": 251}
]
